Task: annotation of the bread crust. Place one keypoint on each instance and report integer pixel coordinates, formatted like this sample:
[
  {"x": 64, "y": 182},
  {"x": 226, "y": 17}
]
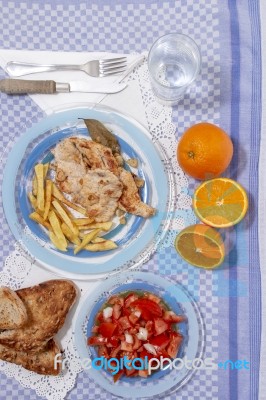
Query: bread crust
[
  {"x": 47, "y": 305},
  {"x": 13, "y": 313},
  {"x": 40, "y": 362}
]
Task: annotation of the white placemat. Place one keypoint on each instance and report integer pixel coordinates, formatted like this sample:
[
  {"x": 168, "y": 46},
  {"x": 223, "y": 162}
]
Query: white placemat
[{"x": 128, "y": 101}]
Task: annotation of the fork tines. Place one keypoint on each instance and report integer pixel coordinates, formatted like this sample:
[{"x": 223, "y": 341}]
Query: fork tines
[{"x": 112, "y": 65}]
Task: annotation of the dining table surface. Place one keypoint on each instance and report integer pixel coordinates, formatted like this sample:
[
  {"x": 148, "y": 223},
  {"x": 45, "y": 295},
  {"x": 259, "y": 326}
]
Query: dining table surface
[{"x": 231, "y": 36}]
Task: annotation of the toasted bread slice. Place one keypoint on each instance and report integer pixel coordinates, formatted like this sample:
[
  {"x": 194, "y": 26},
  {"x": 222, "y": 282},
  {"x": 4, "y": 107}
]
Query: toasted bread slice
[
  {"x": 42, "y": 362},
  {"x": 47, "y": 305},
  {"x": 13, "y": 313}
]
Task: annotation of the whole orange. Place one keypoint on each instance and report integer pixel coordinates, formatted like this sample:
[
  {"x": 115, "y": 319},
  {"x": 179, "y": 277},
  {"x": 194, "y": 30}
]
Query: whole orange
[{"x": 204, "y": 151}]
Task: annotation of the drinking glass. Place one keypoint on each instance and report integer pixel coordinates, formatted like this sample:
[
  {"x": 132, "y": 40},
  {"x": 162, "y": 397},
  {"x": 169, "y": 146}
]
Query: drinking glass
[{"x": 174, "y": 63}]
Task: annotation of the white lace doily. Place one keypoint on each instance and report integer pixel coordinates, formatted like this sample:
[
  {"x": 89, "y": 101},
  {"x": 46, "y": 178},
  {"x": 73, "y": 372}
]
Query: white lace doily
[{"x": 20, "y": 269}]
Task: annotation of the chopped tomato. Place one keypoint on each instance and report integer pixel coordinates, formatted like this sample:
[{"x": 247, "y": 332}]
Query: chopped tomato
[
  {"x": 130, "y": 299},
  {"x": 150, "y": 328},
  {"x": 153, "y": 297},
  {"x": 139, "y": 322},
  {"x": 115, "y": 352},
  {"x": 103, "y": 351},
  {"x": 175, "y": 342},
  {"x": 133, "y": 318},
  {"x": 160, "y": 326},
  {"x": 116, "y": 300},
  {"x": 163, "y": 353},
  {"x": 95, "y": 329},
  {"x": 134, "y": 330},
  {"x": 116, "y": 311},
  {"x": 137, "y": 343},
  {"x": 124, "y": 322},
  {"x": 161, "y": 341},
  {"x": 126, "y": 311},
  {"x": 96, "y": 340},
  {"x": 130, "y": 372},
  {"x": 114, "y": 341},
  {"x": 145, "y": 314},
  {"x": 99, "y": 317},
  {"x": 128, "y": 354},
  {"x": 144, "y": 353},
  {"x": 107, "y": 329},
  {"x": 148, "y": 305},
  {"x": 126, "y": 346},
  {"x": 170, "y": 316},
  {"x": 143, "y": 373},
  {"x": 118, "y": 375}
]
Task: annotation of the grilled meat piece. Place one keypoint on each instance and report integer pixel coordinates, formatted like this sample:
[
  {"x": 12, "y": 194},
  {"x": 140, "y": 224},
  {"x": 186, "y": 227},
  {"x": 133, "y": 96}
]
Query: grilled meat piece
[
  {"x": 90, "y": 173},
  {"x": 99, "y": 192},
  {"x": 130, "y": 200},
  {"x": 95, "y": 155},
  {"x": 69, "y": 162}
]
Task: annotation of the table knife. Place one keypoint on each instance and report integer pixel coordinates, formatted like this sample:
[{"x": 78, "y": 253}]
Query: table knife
[{"x": 22, "y": 86}]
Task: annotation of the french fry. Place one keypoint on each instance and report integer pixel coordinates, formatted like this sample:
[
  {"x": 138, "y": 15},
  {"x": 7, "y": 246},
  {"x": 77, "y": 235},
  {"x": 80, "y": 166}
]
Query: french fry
[
  {"x": 38, "y": 218},
  {"x": 45, "y": 170},
  {"x": 34, "y": 185},
  {"x": 67, "y": 210},
  {"x": 59, "y": 196},
  {"x": 103, "y": 226},
  {"x": 101, "y": 246},
  {"x": 48, "y": 198},
  {"x": 86, "y": 240},
  {"x": 58, "y": 243},
  {"x": 82, "y": 221},
  {"x": 53, "y": 211},
  {"x": 40, "y": 187},
  {"x": 59, "y": 216},
  {"x": 33, "y": 200},
  {"x": 98, "y": 239},
  {"x": 55, "y": 224},
  {"x": 69, "y": 234},
  {"x": 34, "y": 179},
  {"x": 65, "y": 217}
]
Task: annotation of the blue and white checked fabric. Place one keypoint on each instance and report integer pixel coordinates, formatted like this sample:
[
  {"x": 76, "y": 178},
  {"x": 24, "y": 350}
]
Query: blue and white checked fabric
[{"x": 228, "y": 34}]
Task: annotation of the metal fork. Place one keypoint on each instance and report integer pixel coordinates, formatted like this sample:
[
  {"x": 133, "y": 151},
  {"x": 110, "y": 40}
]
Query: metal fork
[{"x": 96, "y": 68}]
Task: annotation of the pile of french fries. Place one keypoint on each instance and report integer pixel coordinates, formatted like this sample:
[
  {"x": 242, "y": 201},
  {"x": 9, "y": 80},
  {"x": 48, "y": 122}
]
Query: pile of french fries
[{"x": 53, "y": 211}]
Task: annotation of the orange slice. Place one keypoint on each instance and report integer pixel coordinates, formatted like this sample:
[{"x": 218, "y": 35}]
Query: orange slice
[
  {"x": 201, "y": 246},
  {"x": 220, "y": 202}
]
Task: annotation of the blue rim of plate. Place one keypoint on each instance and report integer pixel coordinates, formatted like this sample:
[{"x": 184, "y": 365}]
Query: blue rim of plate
[
  {"x": 177, "y": 297},
  {"x": 145, "y": 230}
]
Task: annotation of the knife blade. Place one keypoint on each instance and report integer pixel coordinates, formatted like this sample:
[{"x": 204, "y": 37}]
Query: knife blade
[{"x": 22, "y": 86}]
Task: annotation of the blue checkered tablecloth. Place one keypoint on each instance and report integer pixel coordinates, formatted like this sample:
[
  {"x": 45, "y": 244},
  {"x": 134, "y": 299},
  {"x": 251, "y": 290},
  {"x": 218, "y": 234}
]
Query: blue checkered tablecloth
[{"x": 229, "y": 36}]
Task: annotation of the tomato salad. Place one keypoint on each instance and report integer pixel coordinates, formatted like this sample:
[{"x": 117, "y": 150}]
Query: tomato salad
[{"x": 136, "y": 325}]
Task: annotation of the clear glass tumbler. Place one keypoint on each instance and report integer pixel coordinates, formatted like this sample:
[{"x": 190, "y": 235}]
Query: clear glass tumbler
[{"x": 174, "y": 62}]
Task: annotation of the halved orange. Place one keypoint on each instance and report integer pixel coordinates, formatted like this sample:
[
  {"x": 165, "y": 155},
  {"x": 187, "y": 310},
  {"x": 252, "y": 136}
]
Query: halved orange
[
  {"x": 200, "y": 245},
  {"x": 220, "y": 202}
]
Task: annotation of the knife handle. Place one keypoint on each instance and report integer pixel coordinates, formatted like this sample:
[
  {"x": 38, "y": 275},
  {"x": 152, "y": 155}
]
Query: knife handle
[{"x": 21, "y": 86}]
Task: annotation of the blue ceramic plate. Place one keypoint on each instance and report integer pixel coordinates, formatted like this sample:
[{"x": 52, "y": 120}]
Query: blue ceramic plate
[
  {"x": 134, "y": 239},
  {"x": 162, "y": 382}
]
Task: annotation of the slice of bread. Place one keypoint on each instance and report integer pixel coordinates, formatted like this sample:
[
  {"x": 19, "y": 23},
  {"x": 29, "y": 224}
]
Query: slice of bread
[
  {"x": 13, "y": 313},
  {"x": 47, "y": 305},
  {"x": 41, "y": 362}
]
